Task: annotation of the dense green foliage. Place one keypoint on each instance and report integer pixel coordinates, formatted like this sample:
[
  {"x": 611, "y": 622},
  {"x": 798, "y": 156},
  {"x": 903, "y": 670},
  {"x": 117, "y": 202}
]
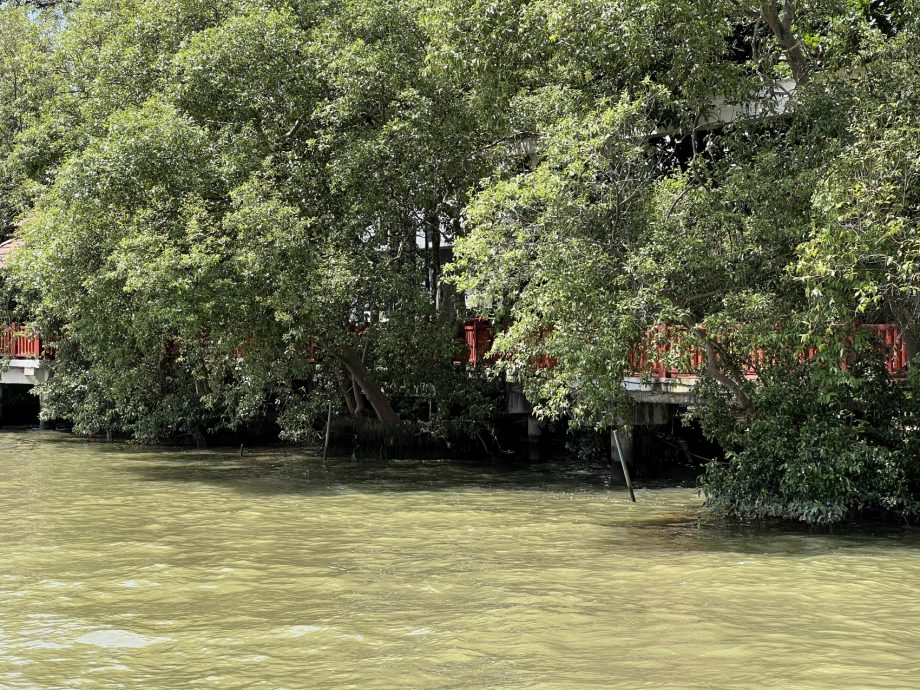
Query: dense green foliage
[
  {"x": 26, "y": 47},
  {"x": 819, "y": 443},
  {"x": 798, "y": 213},
  {"x": 234, "y": 212},
  {"x": 225, "y": 208}
]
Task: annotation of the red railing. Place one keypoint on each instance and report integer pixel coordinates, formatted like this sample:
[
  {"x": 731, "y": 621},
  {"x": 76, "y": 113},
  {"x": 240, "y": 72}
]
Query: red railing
[
  {"x": 17, "y": 342},
  {"x": 477, "y": 334},
  {"x": 890, "y": 335},
  {"x": 662, "y": 353},
  {"x": 652, "y": 354},
  {"x": 655, "y": 354}
]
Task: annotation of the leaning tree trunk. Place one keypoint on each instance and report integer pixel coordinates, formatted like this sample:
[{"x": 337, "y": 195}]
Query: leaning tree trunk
[
  {"x": 346, "y": 388},
  {"x": 360, "y": 375},
  {"x": 781, "y": 22},
  {"x": 359, "y": 396},
  {"x": 714, "y": 369}
]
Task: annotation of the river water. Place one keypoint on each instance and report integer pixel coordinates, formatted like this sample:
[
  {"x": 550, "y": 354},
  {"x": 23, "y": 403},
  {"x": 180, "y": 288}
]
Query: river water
[{"x": 123, "y": 567}]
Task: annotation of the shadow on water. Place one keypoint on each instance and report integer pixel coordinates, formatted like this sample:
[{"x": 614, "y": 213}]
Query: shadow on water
[
  {"x": 277, "y": 470},
  {"x": 707, "y": 533},
  {"x": 664, "y": 520}
]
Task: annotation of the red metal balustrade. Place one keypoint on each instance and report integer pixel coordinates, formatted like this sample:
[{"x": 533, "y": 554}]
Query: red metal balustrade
[
  {"x": 650, "y": 355},
  {"x": 890, "y": 336},
  {"x": 477, "y": 334},
  {"x": 663, "y": 354},
  {"x": 653, "y": 355},
  {"x": 17, "y": 342}
]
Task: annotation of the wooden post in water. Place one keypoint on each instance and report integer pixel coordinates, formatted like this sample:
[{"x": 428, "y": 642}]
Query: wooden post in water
[
  {"x": 328, "y": 425},
  {"x": 619, "y": 448}
]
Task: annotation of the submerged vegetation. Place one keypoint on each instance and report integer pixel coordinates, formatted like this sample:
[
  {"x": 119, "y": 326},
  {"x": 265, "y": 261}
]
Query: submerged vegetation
[{"x": 235, "y": 212}]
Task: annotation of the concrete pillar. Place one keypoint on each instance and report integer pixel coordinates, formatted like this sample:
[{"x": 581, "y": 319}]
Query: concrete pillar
[{"x": 652, "y": 414}]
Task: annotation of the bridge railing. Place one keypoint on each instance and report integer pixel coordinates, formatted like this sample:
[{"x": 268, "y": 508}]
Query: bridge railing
[
  {"x": 665, "y": 353},
  {"x": 18, "y": 342},
  {"x": 890, "y": 336},
  {"x": 662, "y": 353},
  {"x": 477, "y": 335}
]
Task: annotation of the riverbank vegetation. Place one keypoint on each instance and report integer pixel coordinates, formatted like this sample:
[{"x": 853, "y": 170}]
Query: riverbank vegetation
[{"x": 235, "y": 212}]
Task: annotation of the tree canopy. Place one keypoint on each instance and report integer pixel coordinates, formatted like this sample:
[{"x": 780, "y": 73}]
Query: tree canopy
[
  {"x": 790, "y": 210},
  {"x": 227, "y": 204}
]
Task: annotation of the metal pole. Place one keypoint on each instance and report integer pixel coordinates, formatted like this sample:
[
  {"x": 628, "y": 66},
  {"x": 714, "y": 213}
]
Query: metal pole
[
  {"x": 616, "y": 440},
  {"x": 328, "y": 425}
]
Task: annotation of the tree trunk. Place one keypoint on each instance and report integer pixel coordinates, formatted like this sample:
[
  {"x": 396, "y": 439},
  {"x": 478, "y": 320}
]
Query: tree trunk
[
  {"x": 199, "y": 438},
  {"x": 781, "y": 26},
  {"x": 358, "y": 398},
  {"x": 347, "y": 395},
  {"x": 714, "y": 370},
  {"x": 359, "y": 373},
  {"x": 434, "y": 227}
]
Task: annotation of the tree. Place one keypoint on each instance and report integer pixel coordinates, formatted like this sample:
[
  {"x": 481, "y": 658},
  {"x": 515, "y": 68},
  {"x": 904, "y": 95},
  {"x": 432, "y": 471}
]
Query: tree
[
  {"x": 644, "y": 210},
  {"x": 234, "y": 203},
  {"x": 862, "y": 256},
  {"x": 615, "y": 230},
  {"x": 26, "y": 47}
]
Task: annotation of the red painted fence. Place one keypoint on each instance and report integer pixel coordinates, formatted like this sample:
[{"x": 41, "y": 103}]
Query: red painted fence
[
  {"x": 17, "y": 342},
  {"x": 890, "y": 336},
  {"x": 652, "y": 354},
  {"x": 477, "y": 334}
]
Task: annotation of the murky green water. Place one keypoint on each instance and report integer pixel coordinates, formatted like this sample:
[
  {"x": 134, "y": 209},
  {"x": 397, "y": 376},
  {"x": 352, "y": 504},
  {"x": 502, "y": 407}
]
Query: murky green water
[{"x": 131, "y": 568}]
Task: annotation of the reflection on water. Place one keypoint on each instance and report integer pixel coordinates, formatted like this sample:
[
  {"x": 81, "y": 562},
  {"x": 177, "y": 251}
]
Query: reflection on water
[{"x": 123, "y": 567}]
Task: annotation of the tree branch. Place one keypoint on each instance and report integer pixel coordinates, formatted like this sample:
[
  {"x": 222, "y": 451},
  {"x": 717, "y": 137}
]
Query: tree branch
[
  {"x": 360, "y": 375},
  {"x": 782, "y": 30},
  {"x": 715, "y": 371}
]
